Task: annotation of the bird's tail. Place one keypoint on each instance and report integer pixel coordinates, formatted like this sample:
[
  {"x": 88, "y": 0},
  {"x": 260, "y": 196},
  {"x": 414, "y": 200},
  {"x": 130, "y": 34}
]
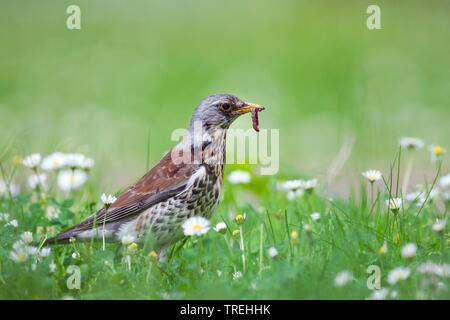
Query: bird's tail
[{"x": 61, "y": 238}]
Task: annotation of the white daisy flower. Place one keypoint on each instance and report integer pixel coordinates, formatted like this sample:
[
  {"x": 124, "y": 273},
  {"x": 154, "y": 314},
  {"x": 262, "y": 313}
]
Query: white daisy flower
[
  {"x": 432, "y": 268},
  {"x": 221, "y": 227},
  {"x": 45, "y": 252},
  {"x": 27, "y": 237},
  {"x": 196, "y": 226},
  {"x": 419, "y": 197},
  {"x": 413, "y": 196},
  {"x": 398, "y": 274},
  {"x": 411, "y": 143},
  {"x": 290, "y": 185},
  {"x": 51, "y": 213},
  {"x": 441, "y": 286},
  {"x": 52, "y": 267},
  {"x": 239, "y": 176},
  {"x": 4, "y": 217},
  {"x": 75, "y": 255},
  {"x": 31, "y": 250},
  {"x": 71, "y": 179},
  {"x": 409, "y": 250},
  {"x": 446, "y": 196},
  {"x": 372, "y": 175},
  {"x": 18, "y": 255},
  {"x": 237, "y": 275},
  {"x": 437, "y": 152},
  {"x": 379, "y": 294},
  {"x": 13, "y": 188},
  {"x": 13, "y": 223},
  {"x": 273, "y": 252},
  {"x": 108, "y": 199},
  {"x": 128, "y": 239},
  {"x": 342, "y": 278},
  {"x": 439, "y": 225},
  {"x": 444, "y": 181},
  {"x": 74, "y": 160},
  {"x": 55, "y": 161},
  {"x": 394, "y": 204},
  {"x": 87, "y": 163},
  {"x": 32, "y": 161},
  {"x": 309, "y": 185},
  {"x": 38, "y": 180},
  {"x": 292, "y": 195},
  {"x": 434, "y": 193},
  {"x": 18, "y": 245},
  {"x": 315, "y": 216}
]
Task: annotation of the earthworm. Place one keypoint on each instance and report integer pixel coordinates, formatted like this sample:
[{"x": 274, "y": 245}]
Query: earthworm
[{"x": 255, "y": 118}]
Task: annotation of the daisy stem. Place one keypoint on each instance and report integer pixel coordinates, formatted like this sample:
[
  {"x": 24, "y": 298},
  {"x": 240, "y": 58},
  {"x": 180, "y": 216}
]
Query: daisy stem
[
  {"x": 439, "y": 166},
  {"x": 103, "y": 231},
  {"x": 308, "y": 201},
  {"x": 241, "y": 244},
  {"x": 228, "y": 245},
  {"x": 261, "y": 239},
  {"x": 371, "y": 192},
  {"x": 149, "y": 271},
  {"x": 409, "y": 167},
  {"x": 8, "y": 186},
  {"x": 39, "y": 185}
]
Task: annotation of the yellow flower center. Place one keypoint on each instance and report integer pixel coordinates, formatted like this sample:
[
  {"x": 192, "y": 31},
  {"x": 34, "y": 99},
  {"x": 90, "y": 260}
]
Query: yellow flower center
[
  {"x": 197, "y": 227},
  {"x": 55, "y": 162},
  {"x": 133, "y": 245},
  {"x": 17, "y": 160},
  {"x": 239, "y": 219},
  {"x": 438, "y": 150},
  {"x": 235, "y": 232},
  {"x": 20, "y": 257},
  {"x": 153, "y": 254},
  {"x": 399, "y": 277},
  {"x": 382, "y": 250},
  {"x": 294, "y": 234}
]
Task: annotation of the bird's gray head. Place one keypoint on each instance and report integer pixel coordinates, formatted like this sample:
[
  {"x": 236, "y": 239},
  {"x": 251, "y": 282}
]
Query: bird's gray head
[{"x": 220, "y": 110}]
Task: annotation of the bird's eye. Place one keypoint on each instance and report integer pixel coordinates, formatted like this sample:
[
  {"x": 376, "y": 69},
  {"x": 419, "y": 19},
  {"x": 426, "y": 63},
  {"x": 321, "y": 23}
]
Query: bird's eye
[{"x": 225, "y": 106}]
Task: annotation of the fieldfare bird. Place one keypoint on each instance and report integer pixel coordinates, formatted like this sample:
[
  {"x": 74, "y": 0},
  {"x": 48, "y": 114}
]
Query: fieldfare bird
[{"x": 187, "y": 182}]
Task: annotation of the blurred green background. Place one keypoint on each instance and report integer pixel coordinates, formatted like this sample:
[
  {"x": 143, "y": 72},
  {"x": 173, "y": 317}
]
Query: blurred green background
[{"x": 142, "y": 66}]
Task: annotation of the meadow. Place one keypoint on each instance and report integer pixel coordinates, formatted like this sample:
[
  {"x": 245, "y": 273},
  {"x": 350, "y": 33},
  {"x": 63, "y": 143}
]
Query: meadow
[{"x": 341, "y": 95}]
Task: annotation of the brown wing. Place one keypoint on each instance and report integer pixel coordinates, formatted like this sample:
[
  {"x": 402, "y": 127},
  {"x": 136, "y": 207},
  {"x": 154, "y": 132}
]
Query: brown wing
[{"x": 165, "y": 180}]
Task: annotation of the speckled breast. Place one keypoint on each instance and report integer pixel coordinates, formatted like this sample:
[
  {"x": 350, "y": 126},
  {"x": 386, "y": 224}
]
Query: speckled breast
[{"x": 200, "y": 199}]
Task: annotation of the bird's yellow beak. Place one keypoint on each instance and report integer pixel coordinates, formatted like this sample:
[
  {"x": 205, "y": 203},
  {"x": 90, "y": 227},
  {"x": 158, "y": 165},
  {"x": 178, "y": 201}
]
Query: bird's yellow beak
[{"x": 248, "y": 108}]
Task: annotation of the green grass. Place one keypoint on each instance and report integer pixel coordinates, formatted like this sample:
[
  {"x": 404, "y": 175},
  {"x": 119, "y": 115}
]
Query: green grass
[{"x": 348, "y": 236}]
